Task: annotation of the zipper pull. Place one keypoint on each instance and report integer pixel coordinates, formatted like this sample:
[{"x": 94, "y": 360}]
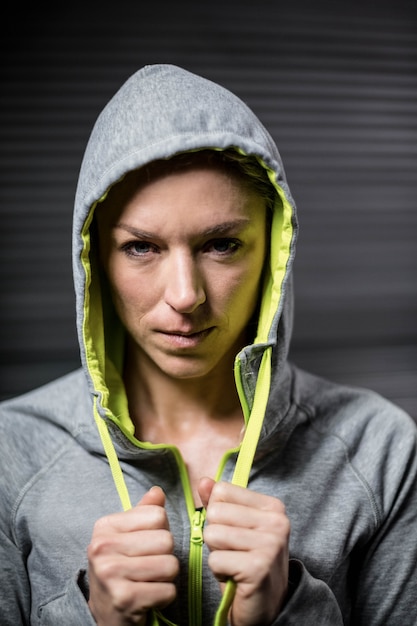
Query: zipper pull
[
  {"x": 197, "y": 527},
  {"x": 195, "y": 568}
]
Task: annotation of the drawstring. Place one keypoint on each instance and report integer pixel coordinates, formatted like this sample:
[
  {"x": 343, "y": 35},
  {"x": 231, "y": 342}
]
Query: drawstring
[
  {"x": 253, "y": 429},
  {"x": 245, "y": 460},
  {"x": 241, "y": 471},
  {"x": 114, "y": 462}
]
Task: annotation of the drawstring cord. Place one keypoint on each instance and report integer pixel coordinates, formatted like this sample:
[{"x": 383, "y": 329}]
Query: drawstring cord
[
  {"x": 245, "y": 460},
  {"x": 241, "y": 472}
]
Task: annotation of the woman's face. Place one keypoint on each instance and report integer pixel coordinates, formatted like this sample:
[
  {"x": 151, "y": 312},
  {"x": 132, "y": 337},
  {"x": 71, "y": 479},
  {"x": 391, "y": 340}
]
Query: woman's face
[{"x": 184, "y": 258}]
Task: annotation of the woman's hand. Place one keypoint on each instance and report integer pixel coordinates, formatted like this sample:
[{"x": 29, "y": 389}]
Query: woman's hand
[
  {"x": 247, "y": 534},
  {"x": 131, "y": 563}
]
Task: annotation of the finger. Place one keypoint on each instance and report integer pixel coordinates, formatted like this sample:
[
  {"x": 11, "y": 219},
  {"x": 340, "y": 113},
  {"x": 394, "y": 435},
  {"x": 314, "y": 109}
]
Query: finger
[
  {"x": 134, "y": 599},
  {"x": 152, "y": 568},
  {"x": 234, "y": 494},
  {"x": 141, "y": 517},
  {"x": 155, "y": 568},
  {"x": 131, "y": 544},
  {"x": 155, "y": 496},
  {"x": 269, "y": 540},
  {"x": 240, "y": 567},
  {"x": 240, "y": 507},
  {"x": 205, "y": 488},
  {"x": 238, "y": 516}
]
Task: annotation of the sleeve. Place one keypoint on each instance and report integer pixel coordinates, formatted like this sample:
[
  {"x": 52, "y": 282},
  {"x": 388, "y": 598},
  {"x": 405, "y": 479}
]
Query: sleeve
[
  {"x": 381, "y": 588},
  {"x": 310, "y": 601},
  {"x": 385, "y": 576},
  {"x": 386, "y": 589},
  {"x": 69, "y": 608},
  {"x": 14, "y": 583}
]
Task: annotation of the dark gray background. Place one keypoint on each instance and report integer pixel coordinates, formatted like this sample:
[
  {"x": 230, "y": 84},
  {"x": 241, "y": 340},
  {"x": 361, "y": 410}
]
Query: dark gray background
[{"x": 336, "y": 84}]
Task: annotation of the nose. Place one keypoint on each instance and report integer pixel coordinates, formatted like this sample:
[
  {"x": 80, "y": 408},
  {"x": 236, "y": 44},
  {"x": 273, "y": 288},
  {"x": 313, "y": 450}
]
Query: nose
[{"x": 184, "y": 291}]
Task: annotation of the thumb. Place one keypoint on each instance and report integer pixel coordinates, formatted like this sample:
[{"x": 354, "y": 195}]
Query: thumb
[
  {"x": 205, "y": 488},
  {"x": 154, "y": 496}
]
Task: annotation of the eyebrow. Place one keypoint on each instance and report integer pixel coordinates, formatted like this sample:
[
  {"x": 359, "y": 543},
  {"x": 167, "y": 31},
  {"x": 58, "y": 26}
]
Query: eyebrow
[{"x": 216, "y": 229}]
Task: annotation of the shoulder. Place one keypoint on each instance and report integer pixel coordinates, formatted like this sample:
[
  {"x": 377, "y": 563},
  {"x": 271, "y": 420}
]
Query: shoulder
[
  {"x": 54, "y": 402},
  {"x": 346, "y": 409},
  {"x": 37, "y": 425},
  {"x": 377, "y": 438}
]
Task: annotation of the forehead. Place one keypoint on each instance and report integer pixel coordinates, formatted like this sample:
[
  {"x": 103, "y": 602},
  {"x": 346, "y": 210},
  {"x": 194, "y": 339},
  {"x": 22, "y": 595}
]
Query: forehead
[{"x": 198, "y": 191}]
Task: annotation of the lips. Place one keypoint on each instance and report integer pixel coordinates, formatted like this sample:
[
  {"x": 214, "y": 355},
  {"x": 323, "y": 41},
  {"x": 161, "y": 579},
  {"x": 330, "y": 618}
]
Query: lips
[
  {"x": 185, "y": 339},
  {"x": 183, "y": 333}
]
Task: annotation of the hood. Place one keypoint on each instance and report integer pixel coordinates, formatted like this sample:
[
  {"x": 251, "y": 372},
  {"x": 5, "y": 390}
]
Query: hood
[{"x": 162, "y": 110}]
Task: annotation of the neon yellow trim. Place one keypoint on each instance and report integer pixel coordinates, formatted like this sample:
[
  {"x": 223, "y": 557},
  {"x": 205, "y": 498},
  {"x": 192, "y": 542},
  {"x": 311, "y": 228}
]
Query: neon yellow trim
[
  {"x": 245, "y": 460},
  {"x": 221, "y": 617},
  {"x": 114, "y": 462},
  {"x": 281, "y": 238},
  {"x": 196, "y": 538},
  {"x": 240, "y": 391},
  {"x": 104, "y": 373},
  {"x": 107, "y": 381},
  {"x": 195, "y": 569},
  {"x": 92, "y": 333},
  {"x": 253, "y": 429}
]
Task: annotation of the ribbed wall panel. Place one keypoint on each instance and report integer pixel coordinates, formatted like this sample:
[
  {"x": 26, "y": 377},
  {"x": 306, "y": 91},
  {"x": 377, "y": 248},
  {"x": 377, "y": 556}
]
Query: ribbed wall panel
[{"x": 335, "y": 83}]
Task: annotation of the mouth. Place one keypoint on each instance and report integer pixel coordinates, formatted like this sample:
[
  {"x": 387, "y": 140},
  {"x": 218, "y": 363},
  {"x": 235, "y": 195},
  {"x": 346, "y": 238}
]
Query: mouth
[{"x": 186, "y": 339}]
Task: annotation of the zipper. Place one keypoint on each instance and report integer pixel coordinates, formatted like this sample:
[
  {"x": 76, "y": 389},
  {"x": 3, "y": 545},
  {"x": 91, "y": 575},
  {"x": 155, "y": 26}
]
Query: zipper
[
  {"x": 196, "y": 516},
  {"x": 195, "y": 571}
]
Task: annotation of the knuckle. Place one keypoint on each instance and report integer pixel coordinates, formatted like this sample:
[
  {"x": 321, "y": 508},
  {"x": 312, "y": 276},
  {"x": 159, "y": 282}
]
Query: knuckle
[
  {"x": 283, "y": 526},
  {"x": 281, "y": 532},
  {"x": 101, "y": 525},
  {"x": 166, "y": 542},
  {"x": 169, "y": 594},
  {"x": 96, "y": 547},
  {"x": 208, "y": 534},
  {"x": 213, "y": 512},
  {"x": 277, "y": 506},
  {"x": 159, "y": 516},
  {"x": 106, "y": 570},
  {"x": 122, "y": 598},
  {"x": 173, "y": 567},
  {"x": 260, "y": 565},
  {"x": 279, "y": 518},
  {"x": 219, "y": 491}
]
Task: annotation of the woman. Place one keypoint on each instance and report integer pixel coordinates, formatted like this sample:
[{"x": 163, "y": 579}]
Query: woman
[{"x": 244, "y": 490}]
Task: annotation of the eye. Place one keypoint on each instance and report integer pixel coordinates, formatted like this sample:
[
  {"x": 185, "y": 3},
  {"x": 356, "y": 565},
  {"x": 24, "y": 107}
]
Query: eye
[
  {"x": 138, "y": 248},
  {"x": 223, "y": 246}
]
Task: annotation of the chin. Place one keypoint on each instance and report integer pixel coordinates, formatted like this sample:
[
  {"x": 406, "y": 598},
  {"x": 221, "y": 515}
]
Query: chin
[
  {"x": 183, "y": 368},
  {"x": 185, "y": 372}
]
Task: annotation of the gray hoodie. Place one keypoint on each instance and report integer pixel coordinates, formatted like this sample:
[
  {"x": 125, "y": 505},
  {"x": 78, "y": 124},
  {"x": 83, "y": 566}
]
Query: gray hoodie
[{"x": 342, "y": 460}]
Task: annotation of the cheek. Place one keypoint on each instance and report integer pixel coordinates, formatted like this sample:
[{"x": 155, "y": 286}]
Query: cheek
[
  {"x": 129, "y": 297},
  {"x": 242, "y": 295},
  {"x": 253, "y": 285}
]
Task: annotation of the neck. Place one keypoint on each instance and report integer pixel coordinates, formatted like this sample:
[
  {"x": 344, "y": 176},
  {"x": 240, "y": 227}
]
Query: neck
[{"x": 163, "y": 408}]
